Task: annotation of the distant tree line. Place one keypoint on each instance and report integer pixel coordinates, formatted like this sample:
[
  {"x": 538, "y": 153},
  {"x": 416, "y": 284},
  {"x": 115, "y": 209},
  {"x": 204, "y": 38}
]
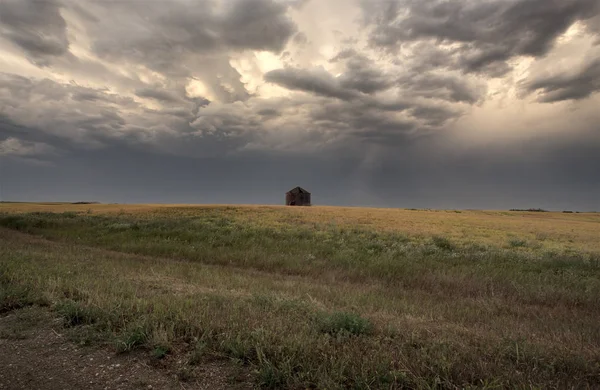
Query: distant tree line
[{"x": 531, "y": 210}]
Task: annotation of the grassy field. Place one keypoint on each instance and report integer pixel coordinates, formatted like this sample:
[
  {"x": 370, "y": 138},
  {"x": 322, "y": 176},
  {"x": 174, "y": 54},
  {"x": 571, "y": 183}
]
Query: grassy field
[{"x": 321, "y": 297}]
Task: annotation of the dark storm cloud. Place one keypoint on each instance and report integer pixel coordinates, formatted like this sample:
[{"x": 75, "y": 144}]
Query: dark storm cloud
[
  {"x": 344, "y": 54},
  {"x": 571, "y": 86},
  {"x": 158, "y": 94},
  {"x": 27, "y": 134},
  {"x": 14, "y": 147},
  {"x": 269, "y": 112},
  {"x": 256, "y": 24},
  {"x": 382, "y": 132},
  {"x": 434, "y": 115},
  {"x": 69, "y": 117},
  {"x": 345, "y": 111},
  {"x": 183, "y": 39},
  {"x": 559, "y": 177},
  {"x": 178, "y": 39},
  {"x": 49, "y": 111},
  {"x": 167, "y": 31},
  {"x": 446, "y": 87},
  {"x": 364, "y": 75},
  {"x": 355, "y": 121},
  {"x": 37, "y": 27},
  {"x": 488, "y": 32},
  {"x": 317, "y": 81},
  {"x": 361, "y": 76}
]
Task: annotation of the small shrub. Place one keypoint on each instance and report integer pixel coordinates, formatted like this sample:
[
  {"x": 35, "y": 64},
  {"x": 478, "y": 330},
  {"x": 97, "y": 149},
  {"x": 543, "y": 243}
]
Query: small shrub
[
  {"x": 198, "y": 353},
  {"x": 119, "y": 226},
  {"x": 11, "y": 334},
  {"x": 160, "y": 351},
  {"x": 443, "y": 243},
  {"x": 270, "y": 376},
  {"x": 16, "y": 297},
  {"x": 517, "y": 243},
  {"x": 135, "y": 337},
  {"x": 239, "y": 349},
  {"x": 345, "y": 323},
  {"x": 185, "y": 374},
  {"x": 75, "y": 314},
  {"x": 87, "y": 335},
  {"x": 13, "y": 222}
]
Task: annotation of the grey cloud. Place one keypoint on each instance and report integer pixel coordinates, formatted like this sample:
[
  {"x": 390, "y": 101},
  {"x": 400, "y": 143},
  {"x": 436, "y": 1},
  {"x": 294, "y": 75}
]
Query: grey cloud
[
  {"x": 365, "y": 116},
  {"x": 69, "y": 116},
  {"x": 344, "y": 54},
  {"x": 353, "y": 120},
  {"x": 447, "y": 87},
  {"x": 300, "y": 38},
  {"x": 435, "y": 115},
  {"x": 15, "y": 147},
  {"x": 177, "y": 112},
  {"x": 70, "y": 113},
  {"x": 79, "y": 93},
  {"x": 224, "y": 80},
  {"x": 572, "y": 86},
  {"x": 362, "y": 74},
  {"x": 158, "y": 94},
  {"x": 593, "y": 25},
  {"x": 182, "y": 39},
  {"x": 487, "y": 33},
  {"x": 411, "y": 175},
  {"x": 37, "y": 27},
  {"x": 269, "y": 112},
  {"x": 381, "y": 133},
  {"x": 87, "y": 95},
  {"x": 317, "y": 81},
  {"x": 257, "y": 24}
]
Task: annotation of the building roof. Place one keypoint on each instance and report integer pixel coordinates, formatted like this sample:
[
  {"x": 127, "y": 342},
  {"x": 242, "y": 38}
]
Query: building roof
[{"x": 298, "y": 190}]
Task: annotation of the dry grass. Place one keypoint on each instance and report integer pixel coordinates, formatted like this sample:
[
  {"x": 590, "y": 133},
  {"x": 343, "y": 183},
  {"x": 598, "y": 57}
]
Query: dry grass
[
  {"x": 577, "y": 231},
  {"x": 323, "y": 297}
]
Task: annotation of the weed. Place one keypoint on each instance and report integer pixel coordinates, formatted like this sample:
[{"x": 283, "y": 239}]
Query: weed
[
  {"x": 517, "y": 243},
  {"x": 12, "y": 334},
  {"x": 344, "y": 324},
  {"x": 160, "y": 351},
  {"x": 134, "y": 337},
  {"x": 443, "y": 243},
  {"x": 75, "y": 314},
  {"x": 185, "y": 374},
  {"x": 198, "y": 352},
  {"x": 13, "y": 297}
]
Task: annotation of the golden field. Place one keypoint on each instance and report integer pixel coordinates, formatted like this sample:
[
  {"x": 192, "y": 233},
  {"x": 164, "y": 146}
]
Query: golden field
[{"x": 320, "y": 297}]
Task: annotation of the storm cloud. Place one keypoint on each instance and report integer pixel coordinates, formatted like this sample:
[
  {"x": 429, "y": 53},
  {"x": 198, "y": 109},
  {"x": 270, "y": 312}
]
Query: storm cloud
[
  {"x": 484, "y": 35},
  {"x": 403, "y": 103},
  {"x": 37, "y": 27},
  {"x": 578, "y": 84}
]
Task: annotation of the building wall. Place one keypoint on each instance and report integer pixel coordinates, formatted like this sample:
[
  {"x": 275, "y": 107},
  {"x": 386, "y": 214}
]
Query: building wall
[{"x": 300, "y": 199}]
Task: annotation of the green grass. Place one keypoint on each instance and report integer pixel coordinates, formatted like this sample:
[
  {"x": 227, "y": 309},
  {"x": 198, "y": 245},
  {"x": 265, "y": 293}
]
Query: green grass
[
  {"x": 312, "y": 303},
  {"x": 344, "y": 324}
]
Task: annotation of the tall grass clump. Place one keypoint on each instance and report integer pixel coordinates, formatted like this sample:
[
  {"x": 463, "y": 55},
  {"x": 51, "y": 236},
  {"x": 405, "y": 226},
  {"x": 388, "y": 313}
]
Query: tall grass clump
[{"x": 342, "y": 323}]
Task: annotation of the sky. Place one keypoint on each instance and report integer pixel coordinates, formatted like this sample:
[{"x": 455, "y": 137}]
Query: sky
[{"x": 483, "y": 104}]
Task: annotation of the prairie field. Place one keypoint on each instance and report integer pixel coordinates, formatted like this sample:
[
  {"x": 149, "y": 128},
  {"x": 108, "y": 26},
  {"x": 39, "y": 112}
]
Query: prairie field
[{"x": 319, "y": 297}]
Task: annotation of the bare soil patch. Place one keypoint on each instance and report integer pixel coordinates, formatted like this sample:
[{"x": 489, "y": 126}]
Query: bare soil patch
[{"x": 35, "y": 354}]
